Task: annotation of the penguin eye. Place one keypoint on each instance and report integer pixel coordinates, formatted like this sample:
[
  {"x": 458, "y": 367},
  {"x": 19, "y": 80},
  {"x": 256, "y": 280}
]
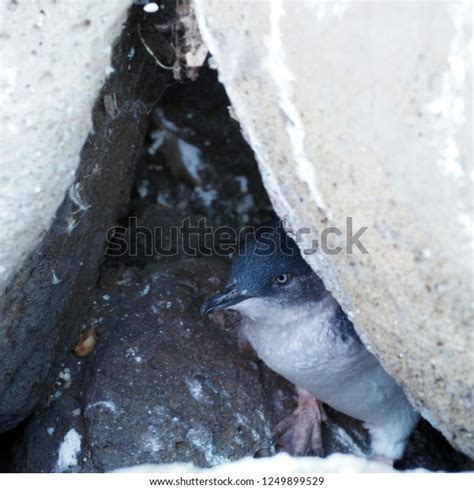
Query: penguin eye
[{"x": 283, "y": 278}]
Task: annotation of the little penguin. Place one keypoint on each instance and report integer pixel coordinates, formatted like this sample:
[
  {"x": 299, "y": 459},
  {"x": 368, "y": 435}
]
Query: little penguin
[{"x": 300, "y": 331}]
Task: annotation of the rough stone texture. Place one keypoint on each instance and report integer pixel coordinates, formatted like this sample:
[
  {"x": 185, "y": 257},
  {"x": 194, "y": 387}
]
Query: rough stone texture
[
  {"x": 43, "y": 306},
  {"x": 162, "y": 384},
  {"x": 55, "y": 58},
  {"x": 363, "y": 110}
]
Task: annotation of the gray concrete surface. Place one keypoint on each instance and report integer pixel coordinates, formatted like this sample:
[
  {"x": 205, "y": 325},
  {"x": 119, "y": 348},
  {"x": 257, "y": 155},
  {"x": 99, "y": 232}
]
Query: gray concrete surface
[{"x": 55, "y": 57}]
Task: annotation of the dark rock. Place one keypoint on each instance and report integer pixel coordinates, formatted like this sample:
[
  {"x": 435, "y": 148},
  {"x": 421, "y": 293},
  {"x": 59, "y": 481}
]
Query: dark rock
[
  {"x": 162, "y": 385},
  {"x": 342, "y": 434},
  {"x": 158, "y": 232},
  {"x": 43, "y": 306},
  {"x": 429, "y": 449}
]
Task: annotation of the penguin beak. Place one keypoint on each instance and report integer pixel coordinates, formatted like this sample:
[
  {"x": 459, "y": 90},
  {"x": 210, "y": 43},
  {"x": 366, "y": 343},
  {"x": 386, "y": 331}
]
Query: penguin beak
[{"x": 224, "y": 300}]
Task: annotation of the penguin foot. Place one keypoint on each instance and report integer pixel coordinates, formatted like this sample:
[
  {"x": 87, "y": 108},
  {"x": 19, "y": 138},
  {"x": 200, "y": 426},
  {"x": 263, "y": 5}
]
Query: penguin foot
[{"x": 300, "y": 433}]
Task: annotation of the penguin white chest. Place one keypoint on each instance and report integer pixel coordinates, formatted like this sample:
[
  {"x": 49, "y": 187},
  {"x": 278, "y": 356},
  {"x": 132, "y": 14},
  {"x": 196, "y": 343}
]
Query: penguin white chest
[{"x": 292, "y": 341}]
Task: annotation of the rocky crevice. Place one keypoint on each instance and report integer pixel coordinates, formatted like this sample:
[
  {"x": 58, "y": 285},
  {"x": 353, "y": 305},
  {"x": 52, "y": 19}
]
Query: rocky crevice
[{"x": 163, "y": 384}]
